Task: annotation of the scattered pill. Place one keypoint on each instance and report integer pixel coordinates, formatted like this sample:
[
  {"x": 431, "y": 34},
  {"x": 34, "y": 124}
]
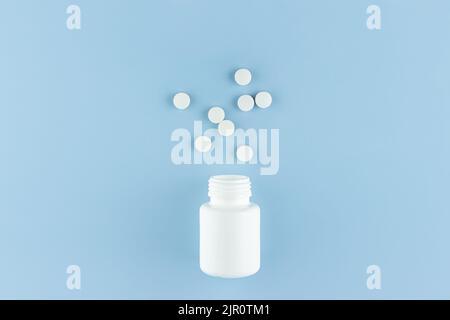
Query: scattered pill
[
  {"x": 246, "y": 103},
  {"x": 216, "y": 115},
  {"x": 203, "y": 144},
  {"x": 243, "y": 77},
  {"x": 263, "y": 99},
  {"x": 226, "y": 128},
  {"x": 181, "y": 100},
  {"x": 244, "y": 153}
]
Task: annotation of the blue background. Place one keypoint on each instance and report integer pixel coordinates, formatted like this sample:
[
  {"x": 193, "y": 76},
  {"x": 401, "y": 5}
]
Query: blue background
[{"x": 85, "y": 123}]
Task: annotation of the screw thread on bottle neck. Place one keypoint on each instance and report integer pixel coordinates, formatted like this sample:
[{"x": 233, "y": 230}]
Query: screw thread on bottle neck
[{"x": 229, "y": 190}]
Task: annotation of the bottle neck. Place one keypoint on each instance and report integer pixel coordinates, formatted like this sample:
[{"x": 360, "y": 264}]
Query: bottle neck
[{"x": 229, "y": 190}]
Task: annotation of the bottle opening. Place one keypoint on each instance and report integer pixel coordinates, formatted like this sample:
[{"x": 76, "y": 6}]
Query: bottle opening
[{"x": 229, "y": 189}]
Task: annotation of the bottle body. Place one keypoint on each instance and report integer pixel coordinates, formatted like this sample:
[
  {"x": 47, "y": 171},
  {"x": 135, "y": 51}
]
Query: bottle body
[{"x": 229, "y": 237}]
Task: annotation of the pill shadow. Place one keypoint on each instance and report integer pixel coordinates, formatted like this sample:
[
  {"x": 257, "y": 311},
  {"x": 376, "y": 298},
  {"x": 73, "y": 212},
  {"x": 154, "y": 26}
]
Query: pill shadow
[
  {"x": 169, "y": 99},
  {"x": 231, "y": 77}
]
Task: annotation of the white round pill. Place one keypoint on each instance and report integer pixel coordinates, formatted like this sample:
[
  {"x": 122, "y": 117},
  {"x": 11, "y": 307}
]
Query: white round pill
[
  {"x": 216, "y": 115},
  {"x": 181, "y": 100},
  {"x": 243, "y": 77},
  {"x": 203, "y": 144},
  {"x": 226, "y": 128},
  {"x": 263, "y": 99},
  {"x": 244, "y": 153},
  {"x": 246, "y": 103}
]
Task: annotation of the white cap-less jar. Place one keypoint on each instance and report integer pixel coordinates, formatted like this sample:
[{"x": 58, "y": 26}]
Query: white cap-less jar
[{"x": 229, "y": 229}]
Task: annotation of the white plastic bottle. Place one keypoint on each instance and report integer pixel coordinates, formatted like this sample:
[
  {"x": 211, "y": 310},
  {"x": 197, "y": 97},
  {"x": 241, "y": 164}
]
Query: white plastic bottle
[{"x": 229, "y": 229}]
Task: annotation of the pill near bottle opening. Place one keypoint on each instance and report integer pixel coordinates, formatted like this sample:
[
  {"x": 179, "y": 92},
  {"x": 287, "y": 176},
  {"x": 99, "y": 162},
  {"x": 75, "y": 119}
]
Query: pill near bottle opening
[
  {"x": 263, "y": 99},
  {"x": 216, "y": 115},
  {"x": 243, "y": 77},
  {"x": 226, "y": 128},
  {"x": 181, "y": 100},
  {"x": 203, "y": 144},
  {"x": 246, "y": 103},
  {"x": 244, "y": 153}
]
